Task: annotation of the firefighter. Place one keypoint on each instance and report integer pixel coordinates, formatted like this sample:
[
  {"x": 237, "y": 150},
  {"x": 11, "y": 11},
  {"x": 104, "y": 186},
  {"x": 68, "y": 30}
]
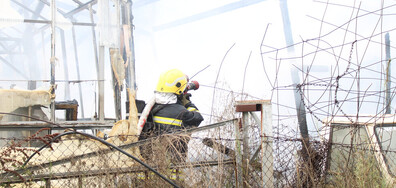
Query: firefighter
[{"x": 172, "y": 111}]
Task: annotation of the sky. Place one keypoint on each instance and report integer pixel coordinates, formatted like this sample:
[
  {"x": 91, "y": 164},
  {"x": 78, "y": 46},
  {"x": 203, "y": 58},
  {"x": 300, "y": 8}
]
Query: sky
[
  {"x": 168, "y": 34},
  {"x": 231, "y": 40},
  {"x": 192, "y": 46}
]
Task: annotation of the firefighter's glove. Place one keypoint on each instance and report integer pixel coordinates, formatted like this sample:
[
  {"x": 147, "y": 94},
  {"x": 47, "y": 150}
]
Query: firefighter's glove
[{"x": 186, "y": 99}]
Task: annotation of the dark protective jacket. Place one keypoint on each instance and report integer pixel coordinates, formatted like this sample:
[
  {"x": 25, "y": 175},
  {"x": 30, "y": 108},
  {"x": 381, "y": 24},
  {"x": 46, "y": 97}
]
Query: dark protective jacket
[
  {"x": 169, "y": 118},
  {"x": 172, "y": 117}
]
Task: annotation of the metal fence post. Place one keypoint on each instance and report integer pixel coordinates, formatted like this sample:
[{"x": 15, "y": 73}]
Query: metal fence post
[
  {"x": 264, "y": 106},
  {"x": 238, "y": 154},
  {"x": 267, "y": 142},
  {"x": 245, "y": 144}
]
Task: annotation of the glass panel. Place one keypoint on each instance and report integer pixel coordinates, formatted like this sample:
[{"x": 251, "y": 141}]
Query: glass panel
[
  {"x": 386, "y": 137},
  {"x": 350, "y": 154}
]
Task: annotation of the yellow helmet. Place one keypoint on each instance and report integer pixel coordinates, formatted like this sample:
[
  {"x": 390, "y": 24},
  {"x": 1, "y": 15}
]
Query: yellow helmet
[{"x": 172, "y": 81}]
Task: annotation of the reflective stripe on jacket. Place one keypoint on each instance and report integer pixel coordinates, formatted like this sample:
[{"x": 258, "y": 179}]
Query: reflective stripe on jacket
[
  {"x": 170, "y": 117},
  {"x": 167, "y": 121}
]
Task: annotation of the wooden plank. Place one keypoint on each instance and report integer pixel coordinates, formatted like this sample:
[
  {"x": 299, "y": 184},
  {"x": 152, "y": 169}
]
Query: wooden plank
[
  {"x": 250, "y": 105},
  {"x": 247, "y": 108}
]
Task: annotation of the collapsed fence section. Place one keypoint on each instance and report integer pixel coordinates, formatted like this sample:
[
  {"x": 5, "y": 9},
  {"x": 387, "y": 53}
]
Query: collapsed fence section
[
  {"x": 232, "y": 153},
  {"x": 80, "y": 160},
  {"x": 216, "y": 155}
]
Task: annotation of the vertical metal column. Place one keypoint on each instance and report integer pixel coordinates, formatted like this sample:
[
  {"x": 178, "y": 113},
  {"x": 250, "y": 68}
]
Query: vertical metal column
[
  {"x": 78, "y": 72},
  {"x": 301, "y": 114},
  {"x": 99, "y": 68},
  {"x": 53, "y": 36},
  {"x": 388, "y": 75},
  {"x": 65, "y": 67},
  {"x": 267, "y": 142},
  {"x": 101, "y": 83},
  {"x": 245, "y": 142}
]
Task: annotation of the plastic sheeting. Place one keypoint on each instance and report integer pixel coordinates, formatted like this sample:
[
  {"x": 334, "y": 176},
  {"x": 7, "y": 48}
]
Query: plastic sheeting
[
  {"x": 109, "y": 23},
  {"x": 8, "y": 16},
  {"x": 12, "y": 99}
]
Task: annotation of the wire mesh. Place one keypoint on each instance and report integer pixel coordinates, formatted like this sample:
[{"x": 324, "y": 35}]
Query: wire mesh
[{"x": 210, "y": 159}]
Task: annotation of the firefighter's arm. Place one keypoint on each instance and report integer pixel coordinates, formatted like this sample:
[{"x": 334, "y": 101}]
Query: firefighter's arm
[{"x": 191, "y": 116}]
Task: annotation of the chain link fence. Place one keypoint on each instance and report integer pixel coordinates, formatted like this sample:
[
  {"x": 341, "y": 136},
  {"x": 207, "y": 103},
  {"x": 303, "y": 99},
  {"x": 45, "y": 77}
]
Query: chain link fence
[
  {"x": 72, "y": 160},
  {"x": 214, "y": 157}
]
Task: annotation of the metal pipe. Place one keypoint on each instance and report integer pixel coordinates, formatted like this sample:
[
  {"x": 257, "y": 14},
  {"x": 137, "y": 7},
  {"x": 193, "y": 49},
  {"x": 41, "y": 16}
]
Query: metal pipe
[
  {"x": 49, "y": 22},
  {"x": 59, "y": 125}
]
